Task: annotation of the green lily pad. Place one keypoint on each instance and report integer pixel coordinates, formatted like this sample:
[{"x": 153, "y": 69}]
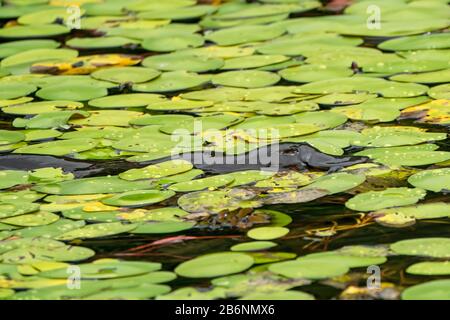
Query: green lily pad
[
  {"x": 97, "y": 230},
  {"x": 440, "y": 76},
  {"x": 27, "y": 250},
  {"x": 183, "y": 13},
  {"x": 49, "y": 230},
  {"x": 15, "y": 90},
  {"x": 396, "y": 136},
  {"x": 426, "y": 247},
  {"x": 406, "y": 155},
  {"x": 29, "y": 57},
  {"x": 253, "y": 246},
  {"x": 425, "y": 41},
  {"x": 104, "y": 269},
  {"x": 49, "y": 120},
  {"x": 126, "y": 74},
  {"x": 71, "y": 92},
  {"x": 138, "y": 198},
  {"x": 23, "y": 196},
  {"x": 12, "y": 47},
  {"x": 34, "y": 219},
  {"x": 108, "y": 184},
  {"x": 32, "y": 108},
  {"x": 440, "y": 92},
  {"x": 210, "y": 183},
  {"x": 421, "y": 211},
  {"x": 101, "y": 42},
  {"x": 267, "y": 233},
  {"x": 388, "y": 89},
  {"x": 16, "y": 209},
  {"x": 436, "y": 180},
  {"x": 218, "y": 201},
  {"x": 118, "y": 118},
  {"x": 254, "y": 61},
  {"x": 313, "y": 72},
  {"x": 434, "y": 268},
  {"x": 178, "y": 104},
  {"x": 214, "y": 265},
  {"x": 11, "y": 178},
  {"x": 130, "y": 100},
  {"x": 58, "y": 148},
  {"x": 391, "y": 197},
  {"x": 337, "y": 182},
  {"x": 40, "y": 17},
  {"x": 9, "y": 137},
  {"x": 335, "y": 257},
  {"x": 246, "y": 79},
  {"x": 172, "y": 81},
  {"x": 309, "y": 269},
  {"x": 182, "y": 62},
  {"x": 173, "y": 43},
  {"x": 432, "y": 290},
  {"x": 244, "y": 34},
  {"x": 34, "y": 31},
  {"x": 157, "y": 171},
  {"x": 163, "y": 227}
]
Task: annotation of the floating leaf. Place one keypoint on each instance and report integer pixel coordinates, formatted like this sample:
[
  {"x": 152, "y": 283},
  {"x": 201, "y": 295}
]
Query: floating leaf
[
  {"x": 267, "y": 233},
  {"x": 97, "y": 230},
  {"x": 214, "y": 265},
  {"x": 427, "y": 247},
  {"x": 309, "y": 269},
  {"x": 253, "y": 246},
  {"x": 138, "y": 198},
  {"x": 434, "y": 268},
  {"x": 391, "y": 197},
  {"x": 157, "y": 171},
  {"x": 436, "y": 180},
  {"x": 432, "y": 290}
]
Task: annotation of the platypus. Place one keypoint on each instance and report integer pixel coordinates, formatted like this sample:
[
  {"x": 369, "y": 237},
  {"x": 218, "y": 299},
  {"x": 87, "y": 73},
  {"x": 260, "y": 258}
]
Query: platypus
[{"x": 297, "y": 156}]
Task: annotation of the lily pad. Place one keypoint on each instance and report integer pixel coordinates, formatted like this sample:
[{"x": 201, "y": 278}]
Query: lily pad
[
  {"x": 267, "y": 233},
  {"x": 436, "y": 180},
  {"x": 108, "y": 184},
  {"x": 246, "y": 79},
  {"x": 426, "y": 247},
  {"x": 58, "y": 148},
  {"x": 432, "y": 290},
  {"x": 130, "y": 100},
  {"x": 253, "y": 246},
  {"x": 157, "y": 171},
  {"x": 175, "y": 42},
  {"x": 244, "y": 34},
  {"x": 182, "y": 62},
  {"x": 214, "y": 265},
  {"x": 391, "y": 197},
  {"x": 337, "y": 182},
  {"x": 126, "y": 74},
  {"x": 434, "y": 268},
  {"x": 309, "y": 269},
  {"x": 138, "y": 198},
  {"x": 201, "y": 184},
  {"x": 97, "y": 230},
  {"x": 172, "y": 81},
  {"x": 71, "y": 92}
]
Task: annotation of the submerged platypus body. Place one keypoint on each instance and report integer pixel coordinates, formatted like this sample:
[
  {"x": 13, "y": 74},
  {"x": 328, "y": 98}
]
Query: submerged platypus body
[{"x": 297, "y": 156}]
